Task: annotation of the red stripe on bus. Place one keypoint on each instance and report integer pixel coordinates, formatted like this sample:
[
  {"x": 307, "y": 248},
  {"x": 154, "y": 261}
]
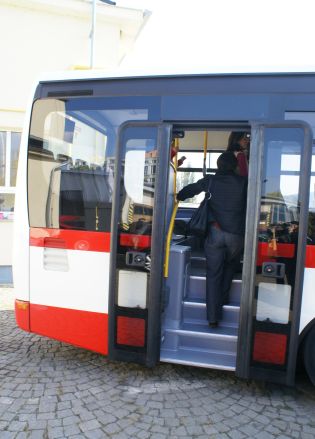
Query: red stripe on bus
[
  {"x": 135, "y": 241},
  {"x": 267, "y": 253},
  {"x": 70, "y": 239},
  {"x": 86, "y": 329},
  {"x": 266, "y": 249},
  {"x": 83, "y": 240},
  {"x": 310, "y": 256}
]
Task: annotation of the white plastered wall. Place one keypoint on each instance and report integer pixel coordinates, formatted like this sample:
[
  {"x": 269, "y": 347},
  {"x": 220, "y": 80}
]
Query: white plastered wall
[{"x": 49, "y": 35}]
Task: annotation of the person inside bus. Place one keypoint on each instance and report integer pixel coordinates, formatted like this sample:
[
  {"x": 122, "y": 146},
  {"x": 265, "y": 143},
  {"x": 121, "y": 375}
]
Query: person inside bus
[
  {"x": 238, "y": 143},
  {"x": 174, "y": 152},
  {"x": 224, "y": 241}
]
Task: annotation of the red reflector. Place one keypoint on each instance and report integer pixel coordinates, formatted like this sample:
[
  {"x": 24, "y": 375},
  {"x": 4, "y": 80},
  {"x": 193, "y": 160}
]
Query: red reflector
[
  {"x": 131, "y": 331},
  {"x": 22, "y": 314},
  {"x": 270, "y": 347}
]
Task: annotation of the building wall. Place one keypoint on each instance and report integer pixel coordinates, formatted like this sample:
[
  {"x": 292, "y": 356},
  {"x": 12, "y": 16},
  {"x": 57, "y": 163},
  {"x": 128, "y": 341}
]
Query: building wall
[{"x": 47, "y": 35}]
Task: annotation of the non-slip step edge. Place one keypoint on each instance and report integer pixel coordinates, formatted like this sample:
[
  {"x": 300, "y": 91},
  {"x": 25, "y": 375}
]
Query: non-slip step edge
[
  {"x": 195, "y": 311},
  {"x": 199, "y": 359},
  {"x": 203, "y": 322},
  {"x": 210, "y": 333},
  {"x": 199, "y": 303},
  {"x": 195, "y": 276}
]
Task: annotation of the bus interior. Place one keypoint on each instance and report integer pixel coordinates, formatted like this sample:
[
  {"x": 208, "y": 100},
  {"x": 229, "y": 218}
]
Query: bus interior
[{"x": 186, "y": 335}]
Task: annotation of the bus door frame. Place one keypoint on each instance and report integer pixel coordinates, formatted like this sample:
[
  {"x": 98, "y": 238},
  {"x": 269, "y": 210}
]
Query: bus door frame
[
  {"x": 244, "y": 369},
  {"x": 151, "y": 354}
]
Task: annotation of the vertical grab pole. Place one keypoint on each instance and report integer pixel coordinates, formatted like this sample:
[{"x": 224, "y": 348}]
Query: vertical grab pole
[
  {"x": 168, "y": 240},
  {"x": 176, "y": 146},
  {"x": 205, "y": 147}
]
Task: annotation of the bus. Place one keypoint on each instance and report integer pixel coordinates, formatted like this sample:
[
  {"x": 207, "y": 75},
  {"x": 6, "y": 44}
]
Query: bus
[{"x": 103, "y": 257}]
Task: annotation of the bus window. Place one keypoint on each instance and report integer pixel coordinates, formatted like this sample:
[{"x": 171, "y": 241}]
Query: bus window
[
  {"x": 311, "y": 216},
  {"x": 71, "y": 162},
  {"x": 191, "y": 172}
]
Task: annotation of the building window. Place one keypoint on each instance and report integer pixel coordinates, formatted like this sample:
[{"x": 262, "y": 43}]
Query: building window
[{"x": 9, "y": 154}]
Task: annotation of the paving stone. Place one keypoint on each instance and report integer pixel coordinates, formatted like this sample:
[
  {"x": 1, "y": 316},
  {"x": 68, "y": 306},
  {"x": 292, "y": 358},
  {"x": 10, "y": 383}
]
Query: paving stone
[
  {"x": 17, "y": 426},
  {"x": 89, "y": 425},
  {"x": 235, "y": 434},
  {"x": 37, "y": 434},
  {"x": 264, "y": 435},
  {"x": 50, "y": 390}
]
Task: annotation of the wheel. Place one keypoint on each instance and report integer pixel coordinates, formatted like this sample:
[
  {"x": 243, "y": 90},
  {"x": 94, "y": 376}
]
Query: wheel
[{"x": 309, "y": 354}]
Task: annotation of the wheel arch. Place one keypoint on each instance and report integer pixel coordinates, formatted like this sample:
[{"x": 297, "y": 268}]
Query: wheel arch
[{"x": 306, "y": 330}]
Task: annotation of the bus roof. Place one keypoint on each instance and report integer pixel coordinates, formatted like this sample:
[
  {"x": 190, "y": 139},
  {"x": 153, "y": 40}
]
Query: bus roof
[{"x": 86, "y": 74}]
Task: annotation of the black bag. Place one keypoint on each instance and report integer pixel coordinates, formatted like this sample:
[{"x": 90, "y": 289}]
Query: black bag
[{"x": 198, "y": 224}]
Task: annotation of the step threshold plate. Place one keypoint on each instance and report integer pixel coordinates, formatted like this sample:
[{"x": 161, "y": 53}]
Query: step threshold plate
[{"x": 208, "y": 361}]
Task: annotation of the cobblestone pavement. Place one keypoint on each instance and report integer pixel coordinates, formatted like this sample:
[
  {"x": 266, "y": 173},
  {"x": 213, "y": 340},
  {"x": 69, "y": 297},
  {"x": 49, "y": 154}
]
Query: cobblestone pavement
[{"x": 53, "y": 390}]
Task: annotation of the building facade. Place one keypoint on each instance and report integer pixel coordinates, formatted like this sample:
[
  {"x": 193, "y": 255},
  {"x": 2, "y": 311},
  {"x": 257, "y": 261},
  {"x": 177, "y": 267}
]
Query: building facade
[{"x": 48, "y": 35}]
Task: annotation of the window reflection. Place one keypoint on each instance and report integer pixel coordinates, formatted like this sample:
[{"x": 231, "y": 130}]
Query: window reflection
[
  {"x": 139, "y": 175},
  {"x": 71, "y": 162}
]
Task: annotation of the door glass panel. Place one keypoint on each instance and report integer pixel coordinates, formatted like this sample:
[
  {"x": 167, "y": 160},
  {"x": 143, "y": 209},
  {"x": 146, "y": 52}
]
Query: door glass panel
[
  {"x": 311, "y": 216},
  {"x": 133, "y": 263},
  {"x": 139, "y": 170},
  {"x": 277, "y": 245}
]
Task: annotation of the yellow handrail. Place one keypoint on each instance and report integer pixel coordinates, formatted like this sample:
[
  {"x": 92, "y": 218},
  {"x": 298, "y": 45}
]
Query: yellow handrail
[
  {"x": 171, "y": 226},
  {"x": 168, "y": 239}
]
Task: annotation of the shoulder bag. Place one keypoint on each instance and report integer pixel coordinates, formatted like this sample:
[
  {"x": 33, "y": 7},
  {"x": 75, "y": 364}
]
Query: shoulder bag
[{"x": 198, "y": 224}]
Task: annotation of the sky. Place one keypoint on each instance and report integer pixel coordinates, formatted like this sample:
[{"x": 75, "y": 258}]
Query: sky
[{"x": 225, "y": 36}]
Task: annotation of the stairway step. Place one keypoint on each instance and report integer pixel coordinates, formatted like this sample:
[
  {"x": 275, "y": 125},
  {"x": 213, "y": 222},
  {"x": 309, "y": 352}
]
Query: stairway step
[
  {"x": 198, "y": 262},
  {"x": 196, "y": 312},
  {"x": 191, "y": 357},
  {"x": 201, "y": 338},
  {"x": 197, "y": 288}
]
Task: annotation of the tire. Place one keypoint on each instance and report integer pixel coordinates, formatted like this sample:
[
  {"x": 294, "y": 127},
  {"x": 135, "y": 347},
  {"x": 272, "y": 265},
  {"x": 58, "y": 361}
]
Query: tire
[{"x": 309, "y": 354}]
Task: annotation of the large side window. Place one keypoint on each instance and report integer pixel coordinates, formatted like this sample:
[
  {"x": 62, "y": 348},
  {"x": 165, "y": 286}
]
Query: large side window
[
  {"x": 9, "y": 154},
  {"x": 309, "y": 117},
  {"x": 311, "y": 217},
  {"x": 191, "y": 172},
  {"x": 71, "y": 161}
]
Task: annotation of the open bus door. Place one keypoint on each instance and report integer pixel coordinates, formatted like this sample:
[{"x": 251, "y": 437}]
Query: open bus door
[
  {"x": 277, "y": 216},
  {"x": 137, "y": 241}
]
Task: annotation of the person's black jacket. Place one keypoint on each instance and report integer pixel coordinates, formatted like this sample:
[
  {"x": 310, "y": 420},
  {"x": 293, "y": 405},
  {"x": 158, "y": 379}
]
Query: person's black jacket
[{"x": 228, "y": 200}]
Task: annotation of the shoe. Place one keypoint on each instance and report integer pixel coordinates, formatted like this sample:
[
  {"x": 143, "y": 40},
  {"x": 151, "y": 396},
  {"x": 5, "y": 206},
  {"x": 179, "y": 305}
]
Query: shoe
[{"x": 213, "y": 324}]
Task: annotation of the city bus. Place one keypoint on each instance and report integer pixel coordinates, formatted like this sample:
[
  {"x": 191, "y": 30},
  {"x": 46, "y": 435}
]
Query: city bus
[{"x": 103, "y": 256}]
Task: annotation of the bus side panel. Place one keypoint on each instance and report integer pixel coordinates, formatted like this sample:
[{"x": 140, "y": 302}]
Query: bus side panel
[
  {"x": 73, "y": 304},
  {"x": 308, "y": 299},
  {"x": 84, "y": 329},
  {"x": 21, "y": 228}
]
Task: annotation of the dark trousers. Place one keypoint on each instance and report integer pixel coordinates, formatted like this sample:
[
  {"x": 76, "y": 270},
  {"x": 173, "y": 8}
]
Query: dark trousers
[{"x": 223, "y": 251}]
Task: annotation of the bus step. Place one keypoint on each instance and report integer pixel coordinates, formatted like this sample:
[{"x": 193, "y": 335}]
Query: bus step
[
  {"x": 196, "y": 358},
  {"x": 201, "y": 338},
  {"x": 197, "y": 289},
  {"x": 198, "y": 262},
  {"x": 195, "y": 312}
]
